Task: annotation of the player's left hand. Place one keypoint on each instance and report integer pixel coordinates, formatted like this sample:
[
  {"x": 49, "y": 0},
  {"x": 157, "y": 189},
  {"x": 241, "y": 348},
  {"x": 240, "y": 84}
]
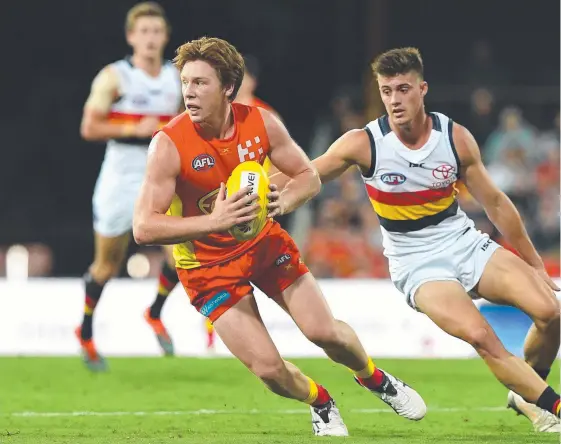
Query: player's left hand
[
  {"x": 274, "y": 205},
  {"x": 543, "y": 274}
]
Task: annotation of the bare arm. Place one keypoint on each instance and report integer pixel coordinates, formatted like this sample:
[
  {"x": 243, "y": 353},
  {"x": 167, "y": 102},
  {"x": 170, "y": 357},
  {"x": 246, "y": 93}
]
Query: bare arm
[
  {"x": 352, "y": 148},
  {"x": 150, "y": 223},
  {"x": 95, "y": 124},
  {"x": 499, "y": 208},
  {"x": 289, "y": 159}
]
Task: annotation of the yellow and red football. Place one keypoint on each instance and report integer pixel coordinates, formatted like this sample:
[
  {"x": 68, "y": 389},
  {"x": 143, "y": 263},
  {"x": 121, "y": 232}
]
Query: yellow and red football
[{"x": 250, "y": 174}]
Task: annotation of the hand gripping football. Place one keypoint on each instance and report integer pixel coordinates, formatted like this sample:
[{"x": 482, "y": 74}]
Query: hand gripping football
[{"x": 250, "y": 174}]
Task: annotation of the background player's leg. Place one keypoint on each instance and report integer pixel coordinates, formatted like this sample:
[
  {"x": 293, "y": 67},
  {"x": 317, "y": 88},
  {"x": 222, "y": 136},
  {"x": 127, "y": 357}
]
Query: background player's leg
[
  {"x": 166, "y": 283},
  {"x": 304, "y": 302},
  {"x": 108, "y": 258},
  {"x": 507, "y": 279},
  {"x": 448, "y": 305}
]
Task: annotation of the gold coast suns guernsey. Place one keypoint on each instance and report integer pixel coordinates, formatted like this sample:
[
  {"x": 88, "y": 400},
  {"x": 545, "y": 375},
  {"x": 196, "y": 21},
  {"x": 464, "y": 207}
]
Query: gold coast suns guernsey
[{"x": 413, "y": 192}]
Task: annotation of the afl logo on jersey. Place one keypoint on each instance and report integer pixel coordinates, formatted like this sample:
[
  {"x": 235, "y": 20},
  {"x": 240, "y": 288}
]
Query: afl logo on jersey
[
  {"x": 203, "y": 162},
  {"x": 393, "y": 178}
]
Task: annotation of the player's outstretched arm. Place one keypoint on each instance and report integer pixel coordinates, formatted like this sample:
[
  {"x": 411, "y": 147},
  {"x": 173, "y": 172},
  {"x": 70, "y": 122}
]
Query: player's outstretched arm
[
  {"x": 499, "y": 208},
  {"x": 352, "y": 148},
  {"x": 151, "y": 225},
  {"x": 95, "y": 123},
  {"x": 303, "y": 181}
]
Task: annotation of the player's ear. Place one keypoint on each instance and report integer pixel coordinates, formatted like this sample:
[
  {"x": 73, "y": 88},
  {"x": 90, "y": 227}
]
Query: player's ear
[
  {"x": 424, "y": 89},
  {"x": 229, "y": 90}
]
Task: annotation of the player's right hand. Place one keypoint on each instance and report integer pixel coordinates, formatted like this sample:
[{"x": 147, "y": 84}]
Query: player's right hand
[
  {"x": 233, "y": 210},
  {"x": 146, "y": 126}
]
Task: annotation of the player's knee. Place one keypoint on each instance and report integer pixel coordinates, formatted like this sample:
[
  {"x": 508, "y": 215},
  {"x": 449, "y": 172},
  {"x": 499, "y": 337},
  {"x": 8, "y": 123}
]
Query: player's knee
[
  {"x": 548, "y": 315},
  {"x": 271, "y": 373},
  {"x": 325, "y": 336},
  {"x": 102, "y": 272},
  {"x": 485, "y": 342}
]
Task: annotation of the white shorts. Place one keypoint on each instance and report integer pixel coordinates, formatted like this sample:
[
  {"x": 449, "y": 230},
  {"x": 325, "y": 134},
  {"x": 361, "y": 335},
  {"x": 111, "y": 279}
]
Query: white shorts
[
  {"x": 462, "y": 260},
  {"x": 117, "y": 188}
]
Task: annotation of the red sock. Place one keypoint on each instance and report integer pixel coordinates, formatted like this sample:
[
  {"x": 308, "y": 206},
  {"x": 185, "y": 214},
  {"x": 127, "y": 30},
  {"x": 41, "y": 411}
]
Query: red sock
[
  {"x": 323, "y": 396},
  {"x": 556, "y": 408},
  {"x": 375, "y": 380}
]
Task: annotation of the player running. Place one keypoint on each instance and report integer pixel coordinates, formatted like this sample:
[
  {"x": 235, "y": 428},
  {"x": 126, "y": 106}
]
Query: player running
[
  {"x": 410, "y": 161},
  {"x": 193, "y": 157},
  {"x": 129, "y": 100}
]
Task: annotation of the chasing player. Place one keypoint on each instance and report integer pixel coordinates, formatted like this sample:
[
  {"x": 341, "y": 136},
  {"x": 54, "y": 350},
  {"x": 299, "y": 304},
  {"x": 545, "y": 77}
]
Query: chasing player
[
  {"x": 410, "y": 161},
  {"x": 193, "y": 157},
  {"x": 129, "y": 100}
]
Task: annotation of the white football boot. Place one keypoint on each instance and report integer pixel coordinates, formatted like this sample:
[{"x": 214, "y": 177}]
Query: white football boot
[
  {"x": 542, "y": 420},
  {"x": 399, "y": 396},
  {"x": 327, "y": 420}
]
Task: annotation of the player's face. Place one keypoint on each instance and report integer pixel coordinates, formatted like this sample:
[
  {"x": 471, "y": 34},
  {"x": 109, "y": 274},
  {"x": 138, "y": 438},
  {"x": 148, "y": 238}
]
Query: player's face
[
  {"x": 403, "y": 96},
  {"x": 148, "y": 37},
  {"x": 203, "y": 92}
]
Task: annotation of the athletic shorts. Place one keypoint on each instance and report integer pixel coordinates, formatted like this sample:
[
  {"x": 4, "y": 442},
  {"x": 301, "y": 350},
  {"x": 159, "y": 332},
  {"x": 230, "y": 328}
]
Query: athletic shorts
[
  {"x": 463, "y": 260},
  {"x": 272, "y": 265}
]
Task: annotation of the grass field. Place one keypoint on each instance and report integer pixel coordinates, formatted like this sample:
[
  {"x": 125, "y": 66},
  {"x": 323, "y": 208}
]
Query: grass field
[{"x": 54, "y": 400}]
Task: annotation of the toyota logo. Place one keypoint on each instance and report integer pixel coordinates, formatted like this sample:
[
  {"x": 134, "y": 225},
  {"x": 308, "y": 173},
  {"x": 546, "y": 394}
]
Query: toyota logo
[{"x": 443, "y": 172}]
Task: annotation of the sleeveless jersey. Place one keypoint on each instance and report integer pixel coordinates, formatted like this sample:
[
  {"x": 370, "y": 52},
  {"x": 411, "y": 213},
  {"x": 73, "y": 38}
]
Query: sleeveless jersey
[
  {"x": 204, "y": 164},
  {"x": 413, "y": 192},
  {"x": 141, "y": 95}
]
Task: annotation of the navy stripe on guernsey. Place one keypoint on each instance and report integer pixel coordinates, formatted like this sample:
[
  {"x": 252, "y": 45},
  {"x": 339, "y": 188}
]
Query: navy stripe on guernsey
[
  {"x": 404, "y": 226},
  {"x": 370, "y": 171},
  {"x": 451, "y": 137},
  {"x": 145, "y": 141}
]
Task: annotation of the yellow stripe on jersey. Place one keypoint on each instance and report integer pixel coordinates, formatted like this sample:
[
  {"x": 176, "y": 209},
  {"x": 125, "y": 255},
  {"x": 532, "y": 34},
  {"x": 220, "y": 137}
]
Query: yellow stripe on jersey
[
  {"x": 184, "y": 254},
  {"x": 412, "y": 212}
]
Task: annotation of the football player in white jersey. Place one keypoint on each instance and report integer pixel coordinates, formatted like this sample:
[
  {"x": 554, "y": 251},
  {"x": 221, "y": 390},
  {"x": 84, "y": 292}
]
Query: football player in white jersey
[
  {"x": 410, "y": 160},
  {"x": 129, "y": 100}
]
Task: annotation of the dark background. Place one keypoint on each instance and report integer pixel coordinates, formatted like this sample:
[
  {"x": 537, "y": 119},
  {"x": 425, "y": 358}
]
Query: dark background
[{"x": 307, "y": 48}]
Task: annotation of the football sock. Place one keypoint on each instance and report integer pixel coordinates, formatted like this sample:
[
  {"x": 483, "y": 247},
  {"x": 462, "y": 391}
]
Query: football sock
[
  {"x": 93, "y": 294},
  {"x": 371, "y": 376},
  {"x": 318, "y": 395},
  {"x": 209, "y": 333},
  {"x": 549, "y": 400},
  {"x": 168, "y": 280}
]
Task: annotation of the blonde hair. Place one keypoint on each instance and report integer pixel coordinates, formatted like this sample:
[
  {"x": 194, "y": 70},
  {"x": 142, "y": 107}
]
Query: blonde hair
[
  {"x": 145, "y": 9},
  {"x": 219, "y": 54}
]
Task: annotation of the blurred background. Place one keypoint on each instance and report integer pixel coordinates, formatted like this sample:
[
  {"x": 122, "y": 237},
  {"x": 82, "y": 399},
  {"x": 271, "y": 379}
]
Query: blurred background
[{"x": 493, "y": 66}]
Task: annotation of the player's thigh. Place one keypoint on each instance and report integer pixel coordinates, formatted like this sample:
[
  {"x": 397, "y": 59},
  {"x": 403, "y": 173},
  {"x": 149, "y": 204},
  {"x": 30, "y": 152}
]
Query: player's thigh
[
  {"x": 304, "y": 301},
  {"x": 110, "y": 251},
  {"x": 448, "y": 305},
  {"x": 507, "y": 279},
  {"x": 168, "y": 255},
  {"x": 243, "y": 332}
]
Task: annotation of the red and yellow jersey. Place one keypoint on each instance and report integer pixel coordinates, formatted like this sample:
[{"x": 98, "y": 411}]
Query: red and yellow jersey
[{"x": 204, "y": 165}]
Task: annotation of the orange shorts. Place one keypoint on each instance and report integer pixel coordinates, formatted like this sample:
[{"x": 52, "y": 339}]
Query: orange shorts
[{"x": 272, "y": 265}]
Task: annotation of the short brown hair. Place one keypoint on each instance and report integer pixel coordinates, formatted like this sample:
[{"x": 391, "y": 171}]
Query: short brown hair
[
  {"x": 398, "y": 61},
  {"x": 145, "y": 9},
  {"x": 218, "y": 53}
]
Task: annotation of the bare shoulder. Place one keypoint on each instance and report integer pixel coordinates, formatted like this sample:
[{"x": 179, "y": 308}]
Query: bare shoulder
[
  {"x": 163, "y": 154},
  {"x": 273, "y": 125},
  {"x": 353, "y": 146},
  {"x": 465, "y": 144}
]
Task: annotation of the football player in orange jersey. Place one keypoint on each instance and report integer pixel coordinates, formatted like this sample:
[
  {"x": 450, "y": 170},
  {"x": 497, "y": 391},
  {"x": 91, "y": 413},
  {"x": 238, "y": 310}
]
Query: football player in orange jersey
[
  {"x": 129, "y": 100},
  {"x": 192, "y": 157}
]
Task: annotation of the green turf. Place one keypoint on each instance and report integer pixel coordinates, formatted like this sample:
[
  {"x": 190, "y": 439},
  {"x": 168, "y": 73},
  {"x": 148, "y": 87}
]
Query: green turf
[{"x": 188, "y": 385}]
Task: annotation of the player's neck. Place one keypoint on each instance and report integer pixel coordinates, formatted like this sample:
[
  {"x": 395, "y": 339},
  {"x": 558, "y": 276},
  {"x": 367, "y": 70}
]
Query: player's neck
[
  {"x": 151, "y": 66},
  {"x": 244, "y": 99},
  {"x": 220, "y": 126},
  {"x": 415, "y": 133}
]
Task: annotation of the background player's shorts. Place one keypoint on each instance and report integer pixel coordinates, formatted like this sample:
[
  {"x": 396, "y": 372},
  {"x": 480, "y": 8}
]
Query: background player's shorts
[
  {"x": 272, "y": 265},
  {"x": 117, "y": 188},
  {"x": 463, "y": 261}
]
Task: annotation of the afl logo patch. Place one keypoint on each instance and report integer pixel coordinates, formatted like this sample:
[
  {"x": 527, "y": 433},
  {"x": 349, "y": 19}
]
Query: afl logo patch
[
  {"x": 203, "y": 162},
  {"x": 393, "y": 178}
]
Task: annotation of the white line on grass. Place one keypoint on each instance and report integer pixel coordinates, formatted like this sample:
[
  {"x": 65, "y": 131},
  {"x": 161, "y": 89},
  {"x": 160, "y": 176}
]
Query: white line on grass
[{"x": 238, "y": 412}]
